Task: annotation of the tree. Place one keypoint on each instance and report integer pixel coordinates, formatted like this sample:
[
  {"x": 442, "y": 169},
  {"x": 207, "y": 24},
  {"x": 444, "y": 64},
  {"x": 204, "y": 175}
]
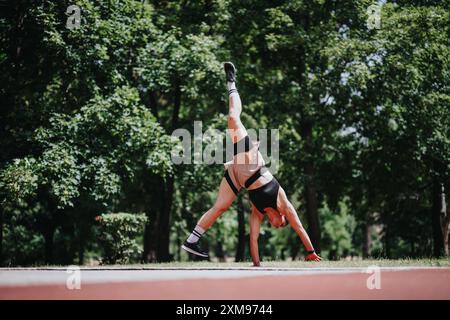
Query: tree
[
  {"x": 395, "y": 97},
  {"x": 87, "y": 156},
  {"x": 61, "y": 120}
]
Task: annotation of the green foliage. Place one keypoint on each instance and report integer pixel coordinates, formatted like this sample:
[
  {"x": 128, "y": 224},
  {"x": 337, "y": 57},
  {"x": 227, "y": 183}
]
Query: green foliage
[
  {"x": 118, "y": 232},
  {"x": 92, "y": 151},
  {"x": 113, "y": 138},
  {"x": 338, "y": 228},
  {"x": 23, "y": 247},
  {"x": 19, "y": 180},
  {"x": 187, "y": 59}
]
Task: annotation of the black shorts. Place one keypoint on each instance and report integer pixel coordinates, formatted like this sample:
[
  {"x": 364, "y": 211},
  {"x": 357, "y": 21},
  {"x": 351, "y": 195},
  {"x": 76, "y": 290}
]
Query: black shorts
[{"x": 265, "y": 196}]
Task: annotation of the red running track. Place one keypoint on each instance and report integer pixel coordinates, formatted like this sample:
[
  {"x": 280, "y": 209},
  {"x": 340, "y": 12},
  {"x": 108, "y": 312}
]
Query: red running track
[{"x": 408, "y": 284}]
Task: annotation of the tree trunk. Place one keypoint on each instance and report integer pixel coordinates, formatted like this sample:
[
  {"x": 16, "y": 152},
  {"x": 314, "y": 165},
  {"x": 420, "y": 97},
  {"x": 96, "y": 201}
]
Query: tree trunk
[
  {"x": 332, "y": 255},
  {"x": 82, "y": 243},
  {"x": 163, "y": 254},
  {"x": 147, "y": 235},
  {"x": 240, "y": 250},
  {"x": 387, "y": 241},
  {"x": 49, "y": 233},
  {"x": 17, "y": 41},
  {"x": 153, "y": 104},
  {"x": 445, "y": 219},
  {"x": 220, "y": 254},
  {"x": 1, "y": 236},
  {"x": 412, "y": 248},
  {"x": 294, "y": 251},
  {"x": 312, "y": 213},
  {"x": 179, "y": 243},
  {"x": 164, "y": 218},
  {"x": 81, "y": 254},
  {"x": 436, "y": 220},
  {"x": 367, "y": 240},
  {"x": 150, "y": 237},
  {"x": 151, "y": 231},
  {"x": 446, "y": 227}
]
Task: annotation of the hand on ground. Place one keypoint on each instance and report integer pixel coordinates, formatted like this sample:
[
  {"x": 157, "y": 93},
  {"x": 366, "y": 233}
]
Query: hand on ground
[{"x": 313, "y": 257}]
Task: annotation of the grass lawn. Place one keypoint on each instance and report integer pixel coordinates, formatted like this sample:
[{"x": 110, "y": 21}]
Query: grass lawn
[
  {"x": 357, "y": 263},
  {"x": 443, "y": 262}
]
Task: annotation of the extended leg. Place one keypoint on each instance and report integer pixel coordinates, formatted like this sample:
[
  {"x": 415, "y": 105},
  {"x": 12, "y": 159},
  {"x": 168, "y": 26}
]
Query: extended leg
[{"x": 235, "y": 127}]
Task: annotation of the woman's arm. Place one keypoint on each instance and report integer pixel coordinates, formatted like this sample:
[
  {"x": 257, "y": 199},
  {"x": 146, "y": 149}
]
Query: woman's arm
[
  {"x": 255, "y": 224},
  {"x": 291, "y": 215}
]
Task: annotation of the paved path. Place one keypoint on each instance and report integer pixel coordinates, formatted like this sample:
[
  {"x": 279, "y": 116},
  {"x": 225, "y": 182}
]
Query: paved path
[{"x": 225, "y": 283}]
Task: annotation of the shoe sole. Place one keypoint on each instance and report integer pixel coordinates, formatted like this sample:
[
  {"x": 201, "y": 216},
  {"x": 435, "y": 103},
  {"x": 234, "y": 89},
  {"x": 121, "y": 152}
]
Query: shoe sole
[
  {"x": 229, "y": 62},
  {"x": 193, "y": 252},
  {"x": 234, "y": 68}
]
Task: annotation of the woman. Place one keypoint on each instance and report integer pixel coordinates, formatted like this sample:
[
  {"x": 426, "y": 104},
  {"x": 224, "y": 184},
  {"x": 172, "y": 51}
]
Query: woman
[{"x": 247, "y": 170}]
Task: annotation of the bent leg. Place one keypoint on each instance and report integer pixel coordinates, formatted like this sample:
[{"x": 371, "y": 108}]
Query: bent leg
[{"x": 225, "y": 198}]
